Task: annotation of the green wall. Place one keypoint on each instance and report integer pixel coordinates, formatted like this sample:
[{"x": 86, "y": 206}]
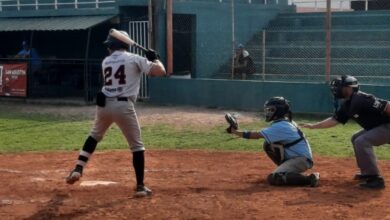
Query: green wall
[
  {"x": 213, "y": 36},
  {"x": 247, "y": 95}
]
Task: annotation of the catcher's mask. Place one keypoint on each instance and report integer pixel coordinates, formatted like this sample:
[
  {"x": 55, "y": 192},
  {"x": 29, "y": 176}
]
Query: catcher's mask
[
  {"x": 338, "y": 83},
  {"x": 276, "y": 108},
  {"x": 115, "y": 44}
]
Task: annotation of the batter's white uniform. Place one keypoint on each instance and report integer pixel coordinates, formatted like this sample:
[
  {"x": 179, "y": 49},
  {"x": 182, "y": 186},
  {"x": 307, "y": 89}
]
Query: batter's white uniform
[{"x": 122, "y": 73}]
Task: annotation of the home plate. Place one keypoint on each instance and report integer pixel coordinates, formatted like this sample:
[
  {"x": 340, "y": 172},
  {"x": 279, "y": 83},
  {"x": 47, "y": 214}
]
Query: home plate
[{"x": 96, "y": 183}]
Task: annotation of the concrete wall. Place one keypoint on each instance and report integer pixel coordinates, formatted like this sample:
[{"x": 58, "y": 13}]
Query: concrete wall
[{"x": 247, "y": 95}]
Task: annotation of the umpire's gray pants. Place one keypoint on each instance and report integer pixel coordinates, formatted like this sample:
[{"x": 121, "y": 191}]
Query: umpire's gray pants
[{"x": 363, "y": 142}]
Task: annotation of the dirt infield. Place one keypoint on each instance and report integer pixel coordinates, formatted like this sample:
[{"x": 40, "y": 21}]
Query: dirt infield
[{"x": 186, "y": 184}]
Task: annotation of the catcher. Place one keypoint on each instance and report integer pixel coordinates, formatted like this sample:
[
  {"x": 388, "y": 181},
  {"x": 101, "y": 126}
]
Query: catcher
[{"x": 284, "y": 143}]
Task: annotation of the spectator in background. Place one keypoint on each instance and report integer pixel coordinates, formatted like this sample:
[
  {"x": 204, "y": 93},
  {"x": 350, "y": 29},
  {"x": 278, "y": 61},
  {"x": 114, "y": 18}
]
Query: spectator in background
[
  {"x": 243, "y": 63},
  {"x": 30, "y": 53}
]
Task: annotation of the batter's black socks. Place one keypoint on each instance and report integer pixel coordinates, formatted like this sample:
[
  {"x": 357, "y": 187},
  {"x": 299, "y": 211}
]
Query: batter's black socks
[
  {"x": 88, "y": 148},
  {"x": 90, "y": 145},
  {"x": 139, "y": 166}
]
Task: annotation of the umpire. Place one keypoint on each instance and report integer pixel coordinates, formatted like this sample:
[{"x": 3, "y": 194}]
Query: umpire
[{"x": 372, "y": 114}]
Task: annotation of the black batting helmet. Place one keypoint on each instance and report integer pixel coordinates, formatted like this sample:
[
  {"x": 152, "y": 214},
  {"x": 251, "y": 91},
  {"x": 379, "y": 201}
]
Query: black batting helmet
[
  {"x": 115, "y": 44},
  {"x": 276, "y": 108},
  {"x": 338, "y": 83}
]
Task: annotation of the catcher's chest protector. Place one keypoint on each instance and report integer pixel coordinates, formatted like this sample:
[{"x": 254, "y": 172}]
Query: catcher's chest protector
[{"x": 275, "y": 151}]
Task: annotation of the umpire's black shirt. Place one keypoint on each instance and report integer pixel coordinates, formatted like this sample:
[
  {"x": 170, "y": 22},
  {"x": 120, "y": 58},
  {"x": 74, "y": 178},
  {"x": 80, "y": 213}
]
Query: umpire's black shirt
[{"x": 365, "y": 109}]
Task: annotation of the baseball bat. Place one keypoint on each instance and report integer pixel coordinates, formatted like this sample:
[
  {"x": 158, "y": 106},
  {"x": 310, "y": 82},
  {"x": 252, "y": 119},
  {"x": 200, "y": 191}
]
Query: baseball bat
[{"x": 118, "y": 35}]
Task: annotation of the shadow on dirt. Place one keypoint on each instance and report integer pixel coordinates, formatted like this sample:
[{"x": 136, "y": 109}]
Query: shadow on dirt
[
  {"x": 52, "y": 209},
  {"x": 328, "y": 193}
]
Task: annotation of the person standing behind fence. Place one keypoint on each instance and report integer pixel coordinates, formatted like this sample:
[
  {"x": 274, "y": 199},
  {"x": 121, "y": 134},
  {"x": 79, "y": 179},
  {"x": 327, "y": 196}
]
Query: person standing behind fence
[
  {"x": 122, "y": 72},
  {"x": 30, "y": 53},
  {"x": 243, "y": 63}
]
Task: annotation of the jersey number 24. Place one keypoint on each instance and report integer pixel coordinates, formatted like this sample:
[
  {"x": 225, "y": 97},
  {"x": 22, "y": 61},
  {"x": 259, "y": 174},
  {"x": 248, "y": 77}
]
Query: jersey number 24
[{"x": 119, "y": 75}]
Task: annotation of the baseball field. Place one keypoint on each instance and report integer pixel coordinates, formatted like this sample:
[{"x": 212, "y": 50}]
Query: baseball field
[{"x": 196, "y": 169}]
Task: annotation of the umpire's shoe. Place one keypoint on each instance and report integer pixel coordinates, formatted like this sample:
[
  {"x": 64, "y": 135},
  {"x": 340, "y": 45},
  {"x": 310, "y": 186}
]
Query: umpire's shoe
[
  {"x": 376, "y": 182},
  {"x": 362, "y": 177},
  {"x": 74, "y": 176},
  {"x": 142, "y": 191}
]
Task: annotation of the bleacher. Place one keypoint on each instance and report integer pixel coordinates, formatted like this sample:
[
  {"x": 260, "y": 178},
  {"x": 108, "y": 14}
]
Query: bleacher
[{"x": 295, "y": 46}]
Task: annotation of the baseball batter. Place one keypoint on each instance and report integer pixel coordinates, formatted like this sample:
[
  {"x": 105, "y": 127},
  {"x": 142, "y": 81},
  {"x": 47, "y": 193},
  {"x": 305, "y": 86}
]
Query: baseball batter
[
  {"x": 372, "y": 114},
  {"x": 122, "y": 72},
  {"x": 285, "y": 144}
]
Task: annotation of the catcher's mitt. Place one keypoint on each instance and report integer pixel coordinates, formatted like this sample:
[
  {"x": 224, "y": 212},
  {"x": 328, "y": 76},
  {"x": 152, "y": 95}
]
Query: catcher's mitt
[{"x": 232, "y": 121}]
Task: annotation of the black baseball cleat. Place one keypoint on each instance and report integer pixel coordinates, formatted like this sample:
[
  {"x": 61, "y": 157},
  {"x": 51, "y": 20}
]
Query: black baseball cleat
[
  {"x": 362, "y": 177},
  {"x": 142, "y": 191},
  {"x": 74, "y": 175},
  {"x": 314, "y": 179},
  {"x": 376, "y": 182}
]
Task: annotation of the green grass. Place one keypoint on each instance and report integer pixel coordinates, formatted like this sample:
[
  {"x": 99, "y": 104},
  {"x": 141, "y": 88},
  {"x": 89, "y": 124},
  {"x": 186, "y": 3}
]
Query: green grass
[{"x": 21, "y": 132}]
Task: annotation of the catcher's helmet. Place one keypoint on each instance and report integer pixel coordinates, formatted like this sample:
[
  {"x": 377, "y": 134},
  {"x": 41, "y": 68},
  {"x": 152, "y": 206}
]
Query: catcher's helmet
[
  {"x": 338, "y": 83},
  {"x": 115, "y": 44},
  {"x": 276, "y": 108}
]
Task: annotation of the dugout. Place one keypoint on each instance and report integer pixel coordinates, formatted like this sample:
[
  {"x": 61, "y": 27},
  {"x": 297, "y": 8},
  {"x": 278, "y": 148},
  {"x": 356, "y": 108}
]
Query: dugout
[{"x": 70, "y": 49}]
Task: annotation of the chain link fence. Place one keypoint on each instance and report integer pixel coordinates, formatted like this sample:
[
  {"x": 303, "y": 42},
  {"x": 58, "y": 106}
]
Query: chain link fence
[
  {"x": 283, "y": 40},
  {"x": 295, "y": 42}
]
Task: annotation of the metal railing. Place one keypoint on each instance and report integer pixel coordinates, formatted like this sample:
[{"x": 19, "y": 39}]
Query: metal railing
[
  {"x": 250, "y": 1},
  {"x": 312, "y": 5},
  {"x": 320, "y": 5},
  {"x": 138, "y": 31},
  {"x": 38, "y": 4}
]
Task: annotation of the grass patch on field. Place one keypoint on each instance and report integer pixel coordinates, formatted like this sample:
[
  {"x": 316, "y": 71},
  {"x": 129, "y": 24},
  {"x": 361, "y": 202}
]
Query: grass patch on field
[{"x": 48, "y": 132}]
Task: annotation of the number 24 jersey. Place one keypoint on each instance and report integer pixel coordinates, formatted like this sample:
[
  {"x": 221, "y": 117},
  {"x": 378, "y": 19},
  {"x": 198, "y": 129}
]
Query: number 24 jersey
[{"x": 122, "y": 73}]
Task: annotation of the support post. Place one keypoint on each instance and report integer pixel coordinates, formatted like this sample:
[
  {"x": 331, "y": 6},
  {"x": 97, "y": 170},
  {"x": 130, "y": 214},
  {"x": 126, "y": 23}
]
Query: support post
[
  {"x": 366, "y": 5},
  {"x": 169, "y": 37},
  {"x": 150, "y": 24},
  {"x": 233, "y": 38},
  {"x": 87, "y": 77},
  {"x": 328, "y": 29},
  {"x": 263, "y": 61}
]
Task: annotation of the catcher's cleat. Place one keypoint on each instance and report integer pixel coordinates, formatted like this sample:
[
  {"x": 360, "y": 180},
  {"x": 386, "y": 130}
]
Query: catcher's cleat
[
  {"x": 142, "y": 191},
  {"x": 374, "y": 183},
  {"x": 73, "y": 177},
  {"x": 314, "y": 179}
]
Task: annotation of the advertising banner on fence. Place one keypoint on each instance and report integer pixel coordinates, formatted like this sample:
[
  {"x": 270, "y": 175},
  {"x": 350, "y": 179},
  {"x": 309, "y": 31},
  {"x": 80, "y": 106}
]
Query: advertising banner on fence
[{"x": 13, "y": 80}]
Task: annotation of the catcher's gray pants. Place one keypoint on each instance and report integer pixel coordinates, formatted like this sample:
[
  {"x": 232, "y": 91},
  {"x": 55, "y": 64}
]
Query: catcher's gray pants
[
  {"x": 123, "y": 114},
  {"x": 363, "y": 142},
  {"x": 294, "y": 165}
]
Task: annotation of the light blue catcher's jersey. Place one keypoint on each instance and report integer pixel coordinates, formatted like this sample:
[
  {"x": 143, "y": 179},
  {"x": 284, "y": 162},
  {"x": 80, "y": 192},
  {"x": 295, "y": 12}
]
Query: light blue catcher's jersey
[{"x": 285, "y": 132}]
